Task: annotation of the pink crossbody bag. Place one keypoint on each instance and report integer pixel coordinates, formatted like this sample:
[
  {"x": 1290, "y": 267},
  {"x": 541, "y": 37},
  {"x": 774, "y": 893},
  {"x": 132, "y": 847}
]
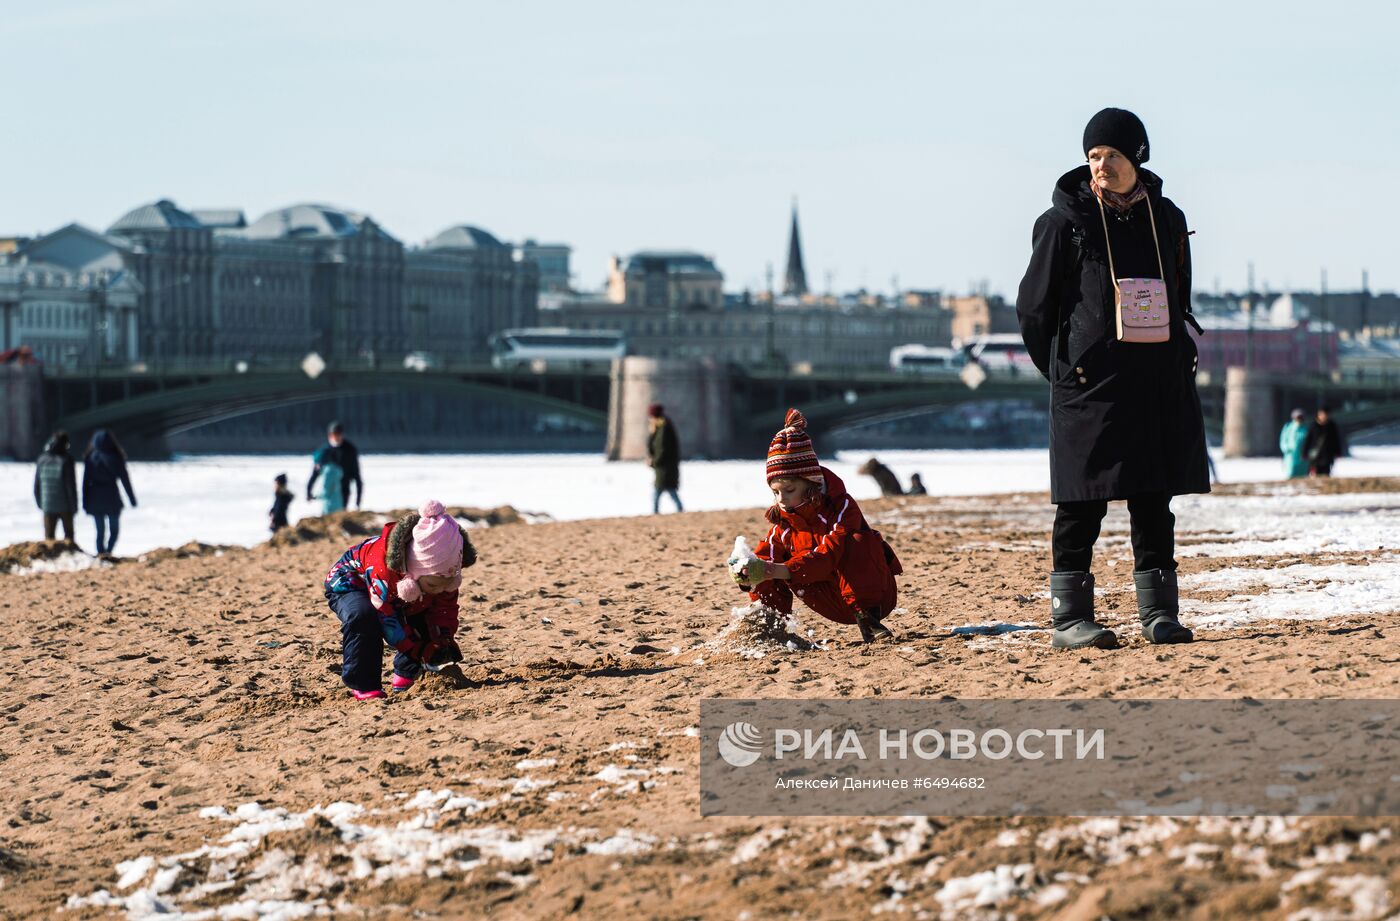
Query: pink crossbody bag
[{"x": 1143, "y": 315}]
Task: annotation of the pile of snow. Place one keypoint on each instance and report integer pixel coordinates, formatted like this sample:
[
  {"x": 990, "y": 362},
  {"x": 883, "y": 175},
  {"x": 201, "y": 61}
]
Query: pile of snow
[
  {"x": 755, "y": 630},
  {"x": 69, "y": 561},
  {"x": 964, "y": 894},
  {"x": 247, "y": 879}
]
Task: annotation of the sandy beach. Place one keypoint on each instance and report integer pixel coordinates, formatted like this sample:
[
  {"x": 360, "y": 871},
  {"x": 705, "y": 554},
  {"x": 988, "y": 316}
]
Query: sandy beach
[{"x": 176, "y": 739}]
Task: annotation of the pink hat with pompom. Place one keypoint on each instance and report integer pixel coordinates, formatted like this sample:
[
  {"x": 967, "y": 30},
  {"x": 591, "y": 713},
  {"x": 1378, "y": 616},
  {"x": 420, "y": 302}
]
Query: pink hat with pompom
[{"x": 436, "y": 549}]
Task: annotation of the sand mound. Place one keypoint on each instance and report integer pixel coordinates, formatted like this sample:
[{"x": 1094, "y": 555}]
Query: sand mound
[
  {"x": 184, "y": 551},
  {"x": 336, "y": 525},
  {"x": 26, "y": 554},
  {"x": 755, "y": 630},
  {"x": 340, "y": 525}
]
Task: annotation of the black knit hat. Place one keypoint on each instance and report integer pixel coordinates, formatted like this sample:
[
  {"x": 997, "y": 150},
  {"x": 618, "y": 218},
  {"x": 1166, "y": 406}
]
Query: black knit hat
[{"x": 1119, "y": 129}]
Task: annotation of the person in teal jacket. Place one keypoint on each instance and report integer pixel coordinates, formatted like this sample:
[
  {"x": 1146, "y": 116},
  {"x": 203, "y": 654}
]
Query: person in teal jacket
[{"x": 1290, "y": 442}]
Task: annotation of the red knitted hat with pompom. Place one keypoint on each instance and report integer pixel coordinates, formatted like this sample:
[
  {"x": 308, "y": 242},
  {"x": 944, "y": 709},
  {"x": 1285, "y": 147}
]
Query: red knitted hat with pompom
[{"x": 791, "y": 452}]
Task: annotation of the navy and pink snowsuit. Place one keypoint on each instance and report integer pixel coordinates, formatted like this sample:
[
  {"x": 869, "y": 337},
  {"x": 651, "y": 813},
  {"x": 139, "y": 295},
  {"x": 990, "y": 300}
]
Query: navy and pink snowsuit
[{"x": 360, "y": 589}]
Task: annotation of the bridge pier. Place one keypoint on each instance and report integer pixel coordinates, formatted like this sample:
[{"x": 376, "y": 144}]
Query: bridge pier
[
  {"x": 696, "y": 394},
  {"x": 1252, "y": 420},
  {"x": 23, "y": 424}
]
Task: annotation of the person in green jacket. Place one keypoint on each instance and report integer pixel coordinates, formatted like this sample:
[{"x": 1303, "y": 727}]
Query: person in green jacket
[
  {"x": 1290, "y": 442},
  {"x": 664, "y": 457},
  {"x": 56, "y": 486}
]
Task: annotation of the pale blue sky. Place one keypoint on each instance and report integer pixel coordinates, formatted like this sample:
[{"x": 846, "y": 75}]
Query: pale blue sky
[{"x": 922, "y": 139}]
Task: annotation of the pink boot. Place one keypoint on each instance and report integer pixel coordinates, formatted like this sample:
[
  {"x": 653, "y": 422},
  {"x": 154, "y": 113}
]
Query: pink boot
[
  {"x": 367, "y": 695},
  {"x": 400, "y": 683}
]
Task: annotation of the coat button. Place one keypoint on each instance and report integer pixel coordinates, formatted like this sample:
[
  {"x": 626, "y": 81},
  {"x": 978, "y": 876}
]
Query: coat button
[
  {"x": 1083, "y": 379},
  {"x": 1078, "y": 370}
]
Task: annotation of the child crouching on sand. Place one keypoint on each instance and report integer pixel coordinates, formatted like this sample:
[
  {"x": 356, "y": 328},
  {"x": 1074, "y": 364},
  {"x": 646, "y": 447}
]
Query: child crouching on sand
[
  {"x": 819, "y": 546},
  {"x": 400, "y": 588}
]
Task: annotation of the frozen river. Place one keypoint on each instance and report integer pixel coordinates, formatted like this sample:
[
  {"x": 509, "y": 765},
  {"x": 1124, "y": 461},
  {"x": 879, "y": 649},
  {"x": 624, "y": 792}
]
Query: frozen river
[{"x": 223, "y": 499}]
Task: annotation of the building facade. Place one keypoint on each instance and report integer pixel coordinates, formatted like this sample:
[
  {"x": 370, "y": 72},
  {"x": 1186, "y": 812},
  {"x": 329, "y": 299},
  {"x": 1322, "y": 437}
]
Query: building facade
[
  {"x": 978, "y": 315},
  {"x": 801, "y": 338},
  {"x": 73, "y": 311},
  {"x": 209, "y": 286},
  {"x": 1300, "y": 346},
  {"x": 553, "y": 260},
  {"x": 669, "y": 280},
  {"x": 1354, "y": 314}
]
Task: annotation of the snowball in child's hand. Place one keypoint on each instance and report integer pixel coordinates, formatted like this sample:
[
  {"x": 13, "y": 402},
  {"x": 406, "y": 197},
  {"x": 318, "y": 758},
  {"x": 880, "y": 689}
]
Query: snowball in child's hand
[{"x": 739, "y": 560}]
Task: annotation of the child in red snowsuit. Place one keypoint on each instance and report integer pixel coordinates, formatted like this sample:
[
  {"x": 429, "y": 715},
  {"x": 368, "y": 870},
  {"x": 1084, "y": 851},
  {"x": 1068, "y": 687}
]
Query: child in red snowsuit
[
  {"x": 400, "y": 588},
  {"x": 819, "y": 546}
]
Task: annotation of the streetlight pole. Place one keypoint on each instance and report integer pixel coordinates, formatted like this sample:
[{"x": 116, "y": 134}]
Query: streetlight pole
[
  {"x": 772, "y": 342},
  {"x": 1321, "y": 346},
  {"x": 1249, "y": 323}
]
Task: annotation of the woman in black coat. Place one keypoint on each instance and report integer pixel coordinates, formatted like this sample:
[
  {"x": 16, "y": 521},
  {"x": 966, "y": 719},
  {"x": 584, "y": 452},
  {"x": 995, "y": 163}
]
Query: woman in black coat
[
  {"x": 664, "y": 456},
  {"x": 1323, "y": 444},
  {"x": 1125, "y": 418},
  {"x": 104, "y": 466}
]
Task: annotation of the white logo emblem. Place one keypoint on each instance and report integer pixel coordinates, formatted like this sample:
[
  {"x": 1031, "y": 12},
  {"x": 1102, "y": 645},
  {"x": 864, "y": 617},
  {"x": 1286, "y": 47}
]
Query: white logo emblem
[{"x": 739, "y": 744}]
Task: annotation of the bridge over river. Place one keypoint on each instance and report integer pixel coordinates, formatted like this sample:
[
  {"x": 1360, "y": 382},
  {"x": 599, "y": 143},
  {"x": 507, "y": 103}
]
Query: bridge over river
[{"x": 727, "y": 408}]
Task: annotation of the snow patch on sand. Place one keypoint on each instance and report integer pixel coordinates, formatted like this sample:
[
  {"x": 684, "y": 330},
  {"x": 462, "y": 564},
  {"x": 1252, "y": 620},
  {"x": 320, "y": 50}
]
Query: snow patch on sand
[
  {"x": 963, "y": 894},
  {"x": 72, "y": 561},
  {"x": 1300, "y": 592},
  {"x": 1284, "y": 525},
  {"x": 414, "y": 839}
]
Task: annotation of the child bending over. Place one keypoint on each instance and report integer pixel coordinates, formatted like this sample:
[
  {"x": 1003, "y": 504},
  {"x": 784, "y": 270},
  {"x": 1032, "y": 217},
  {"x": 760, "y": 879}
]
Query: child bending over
[
  {"x": 400, "y": 588},
  {"x": 819, "y": 546}
]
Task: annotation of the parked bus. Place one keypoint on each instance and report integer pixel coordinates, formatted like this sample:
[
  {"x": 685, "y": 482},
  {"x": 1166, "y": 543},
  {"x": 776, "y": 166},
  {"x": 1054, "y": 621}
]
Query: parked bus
[
  {"x": 925, "y": 359},
  {"x": 557, "y": 347},
  {"x": 1000, "y": 352}
]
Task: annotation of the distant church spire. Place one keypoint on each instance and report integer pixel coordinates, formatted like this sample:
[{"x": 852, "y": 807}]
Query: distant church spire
[{"x": 795, "y": 281}]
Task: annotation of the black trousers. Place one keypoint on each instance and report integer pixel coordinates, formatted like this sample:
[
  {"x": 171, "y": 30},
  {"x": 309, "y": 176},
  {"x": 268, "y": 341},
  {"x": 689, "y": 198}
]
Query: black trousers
[{"x": 1077, "y": 527}]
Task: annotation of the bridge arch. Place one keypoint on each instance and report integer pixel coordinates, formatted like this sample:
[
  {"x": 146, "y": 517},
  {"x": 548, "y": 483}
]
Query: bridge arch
[{"x": 150, "y": 417}]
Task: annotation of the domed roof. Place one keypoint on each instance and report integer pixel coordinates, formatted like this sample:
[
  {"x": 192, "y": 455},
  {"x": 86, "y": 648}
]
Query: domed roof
[
  {"x": 465, "y": 236},
  {"x": 160, "y": 215},
  {"x": 313, "y": 221}
]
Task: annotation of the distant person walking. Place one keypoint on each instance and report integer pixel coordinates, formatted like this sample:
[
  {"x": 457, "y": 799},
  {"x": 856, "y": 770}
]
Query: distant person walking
[
  {"x": 104, "y": 466},
  {"x": 1324, "y": 444},
  {"x": 664, "y": 457},
  {"x": 916, "y": 486},
  {"x": 56, "y": 486},
  {"x": 1291, "y": 442},
  {"x": 342, "y": 452},
  {"x": 281, "y": 501},
  {"x": 1110, "y": 272}
]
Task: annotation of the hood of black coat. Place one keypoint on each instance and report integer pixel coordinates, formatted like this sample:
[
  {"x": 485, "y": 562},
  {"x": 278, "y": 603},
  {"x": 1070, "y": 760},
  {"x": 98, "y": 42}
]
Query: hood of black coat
[
  {"x": 104, "y": 453},
  {"x": 1073, "y": 197}
]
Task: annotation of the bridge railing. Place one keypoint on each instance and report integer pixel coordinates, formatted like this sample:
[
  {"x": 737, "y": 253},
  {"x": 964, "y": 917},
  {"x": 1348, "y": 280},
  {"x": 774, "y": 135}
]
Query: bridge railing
[{"x": 251, "y": 367}]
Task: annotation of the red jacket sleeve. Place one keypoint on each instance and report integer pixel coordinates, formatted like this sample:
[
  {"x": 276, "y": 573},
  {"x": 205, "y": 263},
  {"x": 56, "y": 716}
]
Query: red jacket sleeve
[
  {"x": 772, "y": 548},
  {"x": 819, "y": 563}
]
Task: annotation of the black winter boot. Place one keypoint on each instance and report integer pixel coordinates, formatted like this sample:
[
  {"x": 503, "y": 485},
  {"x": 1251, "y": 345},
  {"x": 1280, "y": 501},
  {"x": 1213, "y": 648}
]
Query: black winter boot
[
  {"x": 1072, "y": 613},
  {"x": 870, "y": 627},
  {"x": 1158, "y": 607}
]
